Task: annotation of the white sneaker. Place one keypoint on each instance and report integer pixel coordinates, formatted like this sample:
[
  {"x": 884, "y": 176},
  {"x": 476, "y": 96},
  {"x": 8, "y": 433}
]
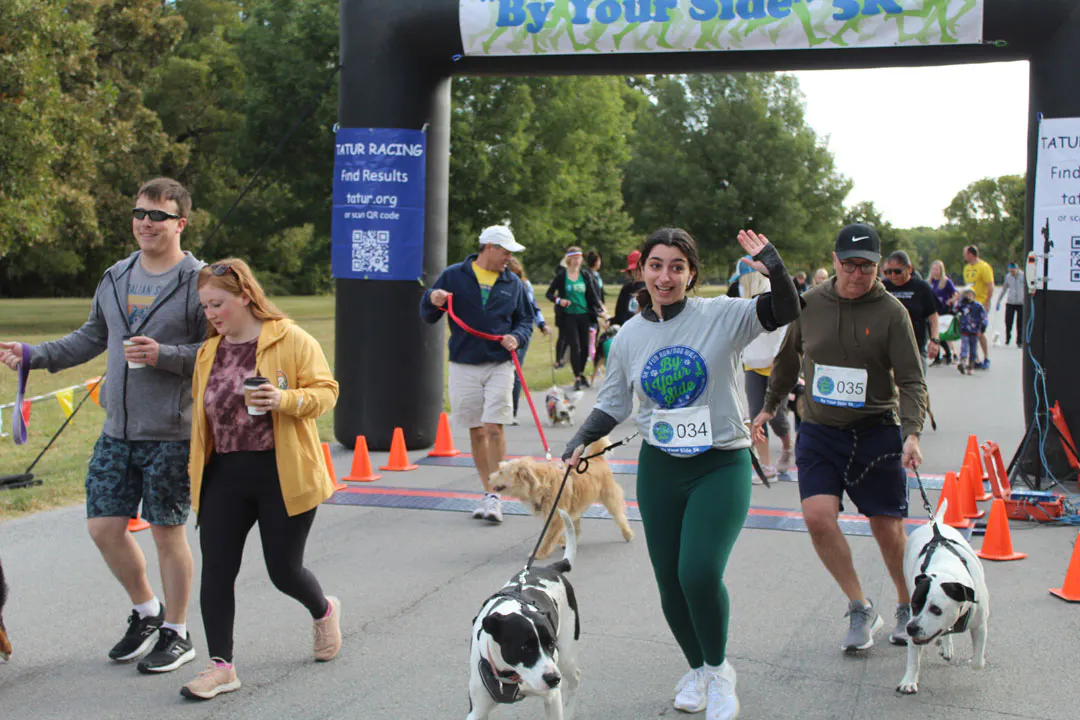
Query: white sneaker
[
  {"x": 493, "y": 508},
  {"x": 481, "y": 509},
  {"x": 723, "y": 702},
  {"x": 690, "y": 691}
]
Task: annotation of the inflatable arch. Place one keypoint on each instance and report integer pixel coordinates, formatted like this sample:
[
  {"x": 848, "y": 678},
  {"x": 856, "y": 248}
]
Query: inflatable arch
[{"x": 399, "y": 55}]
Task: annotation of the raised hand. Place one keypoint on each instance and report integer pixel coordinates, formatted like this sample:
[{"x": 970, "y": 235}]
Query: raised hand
[{"x": 753, "y": 243}]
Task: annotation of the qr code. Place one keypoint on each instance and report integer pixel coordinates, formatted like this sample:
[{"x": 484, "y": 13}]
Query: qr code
[{"x": 371, "y": 251}]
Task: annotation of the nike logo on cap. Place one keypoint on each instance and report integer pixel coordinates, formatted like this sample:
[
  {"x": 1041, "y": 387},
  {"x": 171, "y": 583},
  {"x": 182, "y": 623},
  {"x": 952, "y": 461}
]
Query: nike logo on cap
[{"x": 864, "y": 237}]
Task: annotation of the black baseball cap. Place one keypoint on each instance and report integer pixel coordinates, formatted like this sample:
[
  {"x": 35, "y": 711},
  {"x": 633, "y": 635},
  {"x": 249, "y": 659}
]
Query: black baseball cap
[{"x": 858, "y": 241}]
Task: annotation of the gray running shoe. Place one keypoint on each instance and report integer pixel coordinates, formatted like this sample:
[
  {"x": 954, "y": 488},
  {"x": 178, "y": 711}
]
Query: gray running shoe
[
  {"x": 899, "y": 634},
  {"x": 865, "y": 621}
]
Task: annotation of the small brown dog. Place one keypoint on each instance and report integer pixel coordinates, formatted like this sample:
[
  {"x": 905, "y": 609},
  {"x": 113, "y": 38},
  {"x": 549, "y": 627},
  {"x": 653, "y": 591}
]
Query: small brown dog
[{"x": 536, "y": 482}]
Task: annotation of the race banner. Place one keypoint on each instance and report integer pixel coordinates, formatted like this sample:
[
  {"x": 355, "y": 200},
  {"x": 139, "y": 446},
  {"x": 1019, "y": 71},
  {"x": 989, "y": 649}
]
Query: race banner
[
  {"x": 583, "y": 27},
  {"x": 1057, "y": 200},
  {"x": 377, "y": 232}
]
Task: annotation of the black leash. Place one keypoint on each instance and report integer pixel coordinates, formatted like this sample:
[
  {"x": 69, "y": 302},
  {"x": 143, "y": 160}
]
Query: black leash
[
  {"x": 883, "y": 458},
  {"x": 581, "y": 468}
]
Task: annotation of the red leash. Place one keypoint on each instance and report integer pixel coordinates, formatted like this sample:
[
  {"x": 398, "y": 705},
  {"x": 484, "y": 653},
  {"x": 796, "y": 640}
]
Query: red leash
[{"x": 449, "y": 310}]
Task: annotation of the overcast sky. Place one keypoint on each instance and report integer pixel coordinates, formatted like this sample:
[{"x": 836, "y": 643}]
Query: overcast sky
[{"x": 911, "y": 138}]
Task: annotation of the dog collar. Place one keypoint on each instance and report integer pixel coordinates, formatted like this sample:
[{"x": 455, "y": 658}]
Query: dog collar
[
  {"x": 961, "y": 624},
  {"x": 939, "y": 540},
  {"x": 504, "y": 686}
]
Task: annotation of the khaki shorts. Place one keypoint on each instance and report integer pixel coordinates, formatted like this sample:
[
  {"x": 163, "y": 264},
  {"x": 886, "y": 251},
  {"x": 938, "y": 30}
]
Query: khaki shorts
[{"x": 482, "y": 394}]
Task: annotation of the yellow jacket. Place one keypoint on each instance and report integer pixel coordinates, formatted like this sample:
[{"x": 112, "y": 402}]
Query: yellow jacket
[{"x": 294, "y": 362}]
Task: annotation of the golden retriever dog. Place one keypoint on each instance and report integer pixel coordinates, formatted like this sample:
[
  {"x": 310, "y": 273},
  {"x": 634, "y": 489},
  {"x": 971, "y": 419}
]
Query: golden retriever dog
[{"x": 536, "y": 483}]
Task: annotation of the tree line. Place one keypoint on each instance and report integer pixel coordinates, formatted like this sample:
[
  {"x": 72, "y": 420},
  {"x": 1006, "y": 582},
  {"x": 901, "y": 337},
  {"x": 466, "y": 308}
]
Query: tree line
[{"x": 98, "y": 95}]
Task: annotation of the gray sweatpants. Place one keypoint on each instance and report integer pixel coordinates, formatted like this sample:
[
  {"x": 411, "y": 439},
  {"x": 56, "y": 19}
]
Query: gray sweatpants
[{"x": 756, "y": 386}]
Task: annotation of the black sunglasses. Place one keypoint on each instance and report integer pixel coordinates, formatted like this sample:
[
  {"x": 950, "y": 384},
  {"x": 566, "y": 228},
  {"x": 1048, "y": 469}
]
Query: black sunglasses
[
  {"x": 220, "y": 269},
  {"x": 155, "y": 215},
  {"x": 894, "y": 271}
]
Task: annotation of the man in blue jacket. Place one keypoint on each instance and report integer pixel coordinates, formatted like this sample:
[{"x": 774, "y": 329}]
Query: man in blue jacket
[{"x": 491, "y": 299}]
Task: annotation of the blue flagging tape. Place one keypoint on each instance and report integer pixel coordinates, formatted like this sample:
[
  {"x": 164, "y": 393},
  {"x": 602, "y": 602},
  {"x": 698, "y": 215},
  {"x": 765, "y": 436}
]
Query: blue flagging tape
[
  {"x": 759, "y": 518},
  {"x": 629, "y": 467}
]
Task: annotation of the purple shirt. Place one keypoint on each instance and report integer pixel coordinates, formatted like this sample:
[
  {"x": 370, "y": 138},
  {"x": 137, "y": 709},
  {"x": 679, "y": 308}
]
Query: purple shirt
[
  {"x": 233, "y": 429},
  {"x": 944, "y": 292}
]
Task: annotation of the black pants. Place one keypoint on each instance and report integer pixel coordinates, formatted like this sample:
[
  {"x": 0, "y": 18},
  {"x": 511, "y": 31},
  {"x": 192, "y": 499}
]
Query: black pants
[
  {"x": 1014, "y": 311},
  {"x": 240, "y": 489},
  {"x": 576, "y": 330}
]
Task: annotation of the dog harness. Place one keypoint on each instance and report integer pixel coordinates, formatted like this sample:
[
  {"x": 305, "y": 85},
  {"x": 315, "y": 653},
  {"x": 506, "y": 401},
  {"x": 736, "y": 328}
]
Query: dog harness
[{"x": 939, "y": 540}]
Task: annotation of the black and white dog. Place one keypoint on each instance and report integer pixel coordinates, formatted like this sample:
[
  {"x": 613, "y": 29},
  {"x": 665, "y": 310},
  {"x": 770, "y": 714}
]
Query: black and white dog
[
  {"x": 524, "y": 640},
  {"x": 5, "y": 645},
  {"x": 948, "y": 595}
]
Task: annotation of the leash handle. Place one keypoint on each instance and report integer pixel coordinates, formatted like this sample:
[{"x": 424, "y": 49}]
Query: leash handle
[{"x": 449, "y": 310}]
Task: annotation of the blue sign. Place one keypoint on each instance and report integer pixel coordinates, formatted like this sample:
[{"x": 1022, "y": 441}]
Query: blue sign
[{"x": 378, "y": 223}]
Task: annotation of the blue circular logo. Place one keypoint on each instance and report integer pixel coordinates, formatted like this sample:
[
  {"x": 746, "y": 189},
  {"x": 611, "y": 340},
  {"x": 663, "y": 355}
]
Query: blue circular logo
[
  {"x": 663, "y": 432},
  {"x": 674, "y": 377},
  {"x": 825, "y": 385}
]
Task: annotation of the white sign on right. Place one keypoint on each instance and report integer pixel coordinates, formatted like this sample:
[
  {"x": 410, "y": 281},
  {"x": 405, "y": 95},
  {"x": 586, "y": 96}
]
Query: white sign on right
[{"x": 1057, "y": 199}]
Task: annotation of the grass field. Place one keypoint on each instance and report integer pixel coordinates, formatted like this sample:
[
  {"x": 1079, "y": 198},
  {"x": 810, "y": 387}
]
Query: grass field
[{"x": 63, "y": 467}]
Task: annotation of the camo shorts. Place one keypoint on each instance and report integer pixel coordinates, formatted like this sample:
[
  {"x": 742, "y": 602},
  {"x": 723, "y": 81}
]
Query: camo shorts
[{"x": 124, "y": 473}]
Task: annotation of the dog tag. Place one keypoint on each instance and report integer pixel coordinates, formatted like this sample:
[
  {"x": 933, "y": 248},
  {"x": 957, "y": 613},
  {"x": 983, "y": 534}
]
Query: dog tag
[
  {"x": 840, "y": 386},
  {"x": 683, "y": 431}
]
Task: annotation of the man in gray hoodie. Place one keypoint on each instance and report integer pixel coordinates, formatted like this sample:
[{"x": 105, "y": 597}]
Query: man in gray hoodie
[{"x": 146, "y": 314}]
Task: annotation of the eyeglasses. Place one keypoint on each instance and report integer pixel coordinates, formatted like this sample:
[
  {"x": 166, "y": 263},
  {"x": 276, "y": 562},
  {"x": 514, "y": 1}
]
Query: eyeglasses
[
  {"x": 865, "y": 268},
  {"x": 155, "y": 215},
  {"x": 894, "y": 271}
]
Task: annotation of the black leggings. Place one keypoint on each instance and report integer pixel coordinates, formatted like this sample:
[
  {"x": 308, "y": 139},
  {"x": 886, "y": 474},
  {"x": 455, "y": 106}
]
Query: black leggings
[
  {"x": 240, "y": 489},
  {"x": 576, "y": 330}
]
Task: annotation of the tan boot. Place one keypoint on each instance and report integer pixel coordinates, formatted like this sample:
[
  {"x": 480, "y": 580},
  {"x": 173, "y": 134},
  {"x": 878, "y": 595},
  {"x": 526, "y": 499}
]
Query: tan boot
[{"x": 328, "y": 632}]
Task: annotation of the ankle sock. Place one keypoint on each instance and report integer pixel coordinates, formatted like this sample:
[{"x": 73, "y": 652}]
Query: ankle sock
[
  {"x": 179, "y": 628},
  {"x": 150, "y": 608}
]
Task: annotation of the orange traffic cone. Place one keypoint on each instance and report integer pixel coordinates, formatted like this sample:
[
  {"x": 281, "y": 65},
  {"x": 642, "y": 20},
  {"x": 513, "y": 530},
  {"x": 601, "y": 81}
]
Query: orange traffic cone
[
  {"x": 950, "y": 495},
  {"x": 399, "y": 457},
  {"x": 974, "y": 464},
  {"x": 444, "y": 442},
  {"x": 968, "y": 508},
  {"x": 1071, "y": 589},
  {"x": 136, "y": 523},
  {"x": 361, "y": 463},
  {"x": 330, "y": 467},
  {"x": 973, "y": 449},
  {"x": 997, "y": 543}
]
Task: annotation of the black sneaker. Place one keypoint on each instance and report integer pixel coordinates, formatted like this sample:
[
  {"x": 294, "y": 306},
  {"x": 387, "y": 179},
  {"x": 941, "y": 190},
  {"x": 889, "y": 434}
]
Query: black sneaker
[
  {"x": 171, "y": 652},
  {"x": 139, "y": 636}
]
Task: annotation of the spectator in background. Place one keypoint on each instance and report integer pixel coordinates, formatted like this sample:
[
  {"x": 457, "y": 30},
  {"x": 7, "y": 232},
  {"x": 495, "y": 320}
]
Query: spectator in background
[
  {"x": 980, "y": 276},
  {"x": 820, "y": 276},
  {"x": 973, "y": 322},
  {"x": 1012, "y": 292},
  {"x": 918, "y": 299},
  {"x": 518, "y": 269},
  {"x": 947, "y": 297},
  {"x": 800, "y": 282},
  {"x": 626, "y": 306},
  {"x": 574, "y": 290},
  {"x": 592, "y": 260}
]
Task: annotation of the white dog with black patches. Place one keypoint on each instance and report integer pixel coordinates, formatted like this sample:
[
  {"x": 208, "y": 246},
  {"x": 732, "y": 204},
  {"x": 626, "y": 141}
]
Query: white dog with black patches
[
  {"x": 524, "y": 640},
  {"x": 948, "y": 595}
]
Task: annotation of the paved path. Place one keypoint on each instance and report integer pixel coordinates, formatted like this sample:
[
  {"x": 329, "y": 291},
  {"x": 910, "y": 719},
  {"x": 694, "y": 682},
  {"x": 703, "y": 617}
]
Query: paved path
[{"x": 411, "y": 582}]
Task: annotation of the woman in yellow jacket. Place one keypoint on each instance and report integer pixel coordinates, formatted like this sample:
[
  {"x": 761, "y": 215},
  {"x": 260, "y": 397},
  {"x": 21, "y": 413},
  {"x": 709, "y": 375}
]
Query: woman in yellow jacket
[{"x": 255, "y": 459}]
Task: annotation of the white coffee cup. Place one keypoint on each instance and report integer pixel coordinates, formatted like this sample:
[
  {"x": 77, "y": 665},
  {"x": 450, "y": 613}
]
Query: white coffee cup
[
  {"x": 250, "y": 385},
  {"x": 133, "y": 365}
]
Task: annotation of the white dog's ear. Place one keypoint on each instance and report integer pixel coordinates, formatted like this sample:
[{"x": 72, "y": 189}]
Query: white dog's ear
[{"x": 959, "y": 592}]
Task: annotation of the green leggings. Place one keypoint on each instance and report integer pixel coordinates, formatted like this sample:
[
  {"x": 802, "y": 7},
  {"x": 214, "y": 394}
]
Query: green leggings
[{"x": 692, "y": 510}]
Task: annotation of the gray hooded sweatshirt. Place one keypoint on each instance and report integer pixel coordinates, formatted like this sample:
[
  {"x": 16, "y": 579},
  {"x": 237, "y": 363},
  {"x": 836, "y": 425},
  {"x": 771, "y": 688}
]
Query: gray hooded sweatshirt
[{"x": 150, "y": 403}]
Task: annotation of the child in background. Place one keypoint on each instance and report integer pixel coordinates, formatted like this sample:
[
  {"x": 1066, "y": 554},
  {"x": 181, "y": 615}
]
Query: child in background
[{"x": 973, "y": 320}]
